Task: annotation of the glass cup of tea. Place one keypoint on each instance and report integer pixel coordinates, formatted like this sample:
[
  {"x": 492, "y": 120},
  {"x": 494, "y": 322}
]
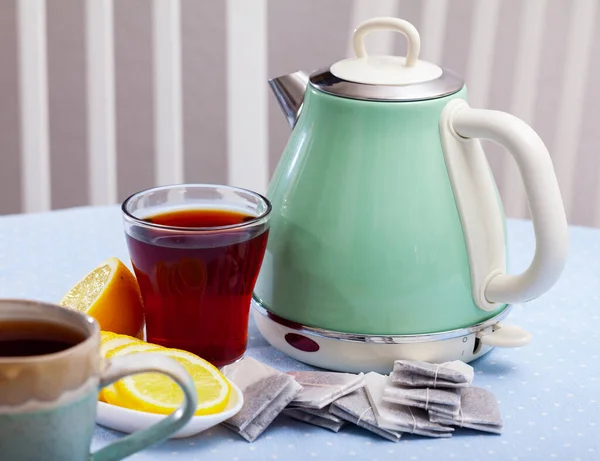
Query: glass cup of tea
[{"x": 196, "y": 251}]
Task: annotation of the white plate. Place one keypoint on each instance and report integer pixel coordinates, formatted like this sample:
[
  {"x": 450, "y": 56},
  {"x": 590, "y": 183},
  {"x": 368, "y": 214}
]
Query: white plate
[{"x": 126, "y": 420}]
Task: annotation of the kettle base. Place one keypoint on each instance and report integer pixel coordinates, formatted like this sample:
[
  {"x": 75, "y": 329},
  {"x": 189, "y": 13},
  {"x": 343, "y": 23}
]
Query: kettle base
[{"x": 353, "y": 353}]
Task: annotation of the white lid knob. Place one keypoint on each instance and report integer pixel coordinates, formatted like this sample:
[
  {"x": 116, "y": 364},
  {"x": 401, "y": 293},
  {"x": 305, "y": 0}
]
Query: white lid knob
[{"x": 386, "y": 70}]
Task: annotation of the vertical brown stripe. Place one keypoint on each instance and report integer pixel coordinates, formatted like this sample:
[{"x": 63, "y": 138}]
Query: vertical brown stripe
[
  {"x": 67, "y": 103},
  {"x": 503, "y": 65},
  {"x": 501, "y": 84},
  {"x": 134, "y": 96},
  {"x": 587, "y": 184},
  {"x": 409, "y": 10},
  {"x": 551, "y": 72},
  {"x": 302, "y": 36},
  {"x": 458, "y": 36},
  {"x": 204, "y": 72},
  {"x": 10, "y": 145}
]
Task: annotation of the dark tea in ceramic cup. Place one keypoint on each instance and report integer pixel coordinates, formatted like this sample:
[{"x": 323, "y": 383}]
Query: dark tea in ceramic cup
[{"x": 51, "y": 370}]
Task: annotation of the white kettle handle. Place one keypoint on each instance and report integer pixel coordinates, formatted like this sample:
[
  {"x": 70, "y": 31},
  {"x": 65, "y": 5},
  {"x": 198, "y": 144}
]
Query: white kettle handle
[{"x": 543, "y": 195}]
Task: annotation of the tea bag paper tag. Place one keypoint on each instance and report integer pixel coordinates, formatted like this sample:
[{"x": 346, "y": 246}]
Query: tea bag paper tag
[
  {"x": 248, "y": 371},
  {"x": 463, "y": 368}
]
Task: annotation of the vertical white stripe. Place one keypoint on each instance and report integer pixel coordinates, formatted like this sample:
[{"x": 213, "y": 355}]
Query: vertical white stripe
[
  {"x": 481, "y": 51},
  {"x": 33, "y": 94},
  {"x": 524, "y": 92},
  {"x": 580, "y": 34},
  {"x": 247, "y": 94},
  {"x": 167, "y": 92},
  {"x": 101, "y": 102},
  {"x": 379, "y": 43},
  {"x": 433, "y": 30}
]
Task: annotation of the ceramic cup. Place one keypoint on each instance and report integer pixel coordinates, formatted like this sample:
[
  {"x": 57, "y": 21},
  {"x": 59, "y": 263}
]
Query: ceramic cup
[{"x": 48, "y": 402}]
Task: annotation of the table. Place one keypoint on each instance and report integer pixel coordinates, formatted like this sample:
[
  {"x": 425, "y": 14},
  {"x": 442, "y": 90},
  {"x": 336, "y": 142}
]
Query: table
[{"x": 549, "y": 391}]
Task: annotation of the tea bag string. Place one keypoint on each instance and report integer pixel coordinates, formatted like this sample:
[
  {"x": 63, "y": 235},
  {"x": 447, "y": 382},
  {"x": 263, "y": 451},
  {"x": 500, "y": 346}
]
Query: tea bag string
[
  {"x": 414, "y": 419},
  {"x": 437, "y": 369},
  {"x": 363, "y": 414},
  {"x": 336, "y": 386}
]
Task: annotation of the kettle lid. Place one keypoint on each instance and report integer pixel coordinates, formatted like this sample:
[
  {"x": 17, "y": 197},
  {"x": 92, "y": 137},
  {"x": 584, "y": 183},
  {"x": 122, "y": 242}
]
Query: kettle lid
[
  {"x": 386, "y": 70},
  {"x": 387, "y": 78}
]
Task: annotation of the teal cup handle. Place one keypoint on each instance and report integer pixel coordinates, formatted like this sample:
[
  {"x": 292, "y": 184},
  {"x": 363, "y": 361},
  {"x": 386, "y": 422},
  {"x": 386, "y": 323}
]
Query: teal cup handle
[{"x": 118, "y": 368}]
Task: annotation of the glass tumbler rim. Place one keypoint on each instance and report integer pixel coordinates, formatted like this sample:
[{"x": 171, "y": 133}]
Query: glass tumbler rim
[{"x": 139, "y": 221}]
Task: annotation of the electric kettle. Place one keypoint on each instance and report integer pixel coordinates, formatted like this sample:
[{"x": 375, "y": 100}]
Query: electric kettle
[{"x": 388, "y": 237}]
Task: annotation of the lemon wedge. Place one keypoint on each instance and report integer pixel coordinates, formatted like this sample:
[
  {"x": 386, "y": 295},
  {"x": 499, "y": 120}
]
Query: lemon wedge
[{"x": 111, "y": 295}]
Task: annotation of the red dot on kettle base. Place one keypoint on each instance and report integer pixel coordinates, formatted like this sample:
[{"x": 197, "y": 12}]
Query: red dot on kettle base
[{"x": 301, "y": 343}]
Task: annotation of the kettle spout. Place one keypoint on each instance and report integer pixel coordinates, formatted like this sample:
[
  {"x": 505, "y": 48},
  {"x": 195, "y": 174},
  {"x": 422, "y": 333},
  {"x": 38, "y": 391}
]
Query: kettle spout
[{"x": 289, "y": 91}]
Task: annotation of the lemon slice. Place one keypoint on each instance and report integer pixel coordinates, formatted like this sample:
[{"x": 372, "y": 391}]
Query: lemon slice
[
  {"x": 157, "y": 393},
  {"x": 111, "y": 295},
  {"x": 110, "y": 341},
  {"x": 109, "y": 394}
]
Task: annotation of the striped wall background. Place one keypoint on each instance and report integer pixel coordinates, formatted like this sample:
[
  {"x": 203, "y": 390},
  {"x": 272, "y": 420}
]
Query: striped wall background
[{"x": 101, "y": 98}]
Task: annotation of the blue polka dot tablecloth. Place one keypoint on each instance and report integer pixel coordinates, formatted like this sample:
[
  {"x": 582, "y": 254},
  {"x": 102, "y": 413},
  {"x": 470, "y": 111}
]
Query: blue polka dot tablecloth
[{"x": 548, "y": 391}]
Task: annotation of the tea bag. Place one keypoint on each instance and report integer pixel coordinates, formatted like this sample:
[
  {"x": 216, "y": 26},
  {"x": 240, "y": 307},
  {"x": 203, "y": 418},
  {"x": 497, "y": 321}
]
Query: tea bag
[
  {"x": 442, "y": 401},
  {"x": 322, "y": 413},
  {"x": 315, "y": 420},
  {"x": 478, "y": 410},
  {"x": 400, "y": 417},
  {"x": 320, "y": 388},
  {"x": 267, "y": 392},
  {"x": 454, "y": 374},
  {"x": 355, "y": 408}
]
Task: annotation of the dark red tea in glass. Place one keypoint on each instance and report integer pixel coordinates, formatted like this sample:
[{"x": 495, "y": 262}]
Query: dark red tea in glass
[{"x": 196, "y": 251}]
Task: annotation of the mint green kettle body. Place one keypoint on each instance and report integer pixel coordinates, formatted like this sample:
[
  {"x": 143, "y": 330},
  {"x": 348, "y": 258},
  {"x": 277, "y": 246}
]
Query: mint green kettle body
[{"x": 386, "y": 219}]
